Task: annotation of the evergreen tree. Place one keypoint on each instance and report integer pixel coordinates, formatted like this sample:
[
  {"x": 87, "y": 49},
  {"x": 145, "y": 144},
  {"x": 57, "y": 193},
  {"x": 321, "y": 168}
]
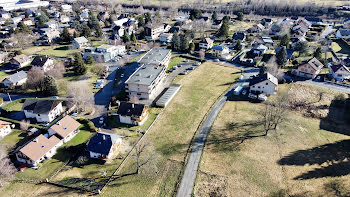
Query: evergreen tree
[
  {"x": 86, "y": 32},
  {"x": 224, "y": 29},
  {"x": 191, "y": 47},
  {"x": 65, "y": 36},
  {"x": 79, "y": 67},
  {"x": 133, "y": 38},
  {"x": 90, "y": 59},
  {"x": 281, "y": 56},
  {"x": 26, "y": 15},
  {"x": 318, "y": 53},
  {"x": 184, "y": 44},
  {"x": 49, "y": 86},
  {"x": 238, "y": 45},
  {"x": 41, "y": 21},
  {"x": 98, "y": 32},
  {"x": 126, "y": 37},
  {"x": 175, "y": 42},
  {"x": 301, "y": 47},
  {"x": 23, "y": 27},
  {"x": 93, "y": 21},
  {"x": 141, "y": 21},
  {"x": 240, "y": 16},
  {"x": 75, "y": 34},
  {"x": 148, "y": 18},
  {"x": 195, "y": 14},
  {"x": 214, "y": 16},
  {"x": 285, "y": 40}
]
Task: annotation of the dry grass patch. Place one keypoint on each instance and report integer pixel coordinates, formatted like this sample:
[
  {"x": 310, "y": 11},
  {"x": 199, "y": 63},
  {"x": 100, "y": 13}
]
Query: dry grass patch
[{"x": 299, "y": 158}]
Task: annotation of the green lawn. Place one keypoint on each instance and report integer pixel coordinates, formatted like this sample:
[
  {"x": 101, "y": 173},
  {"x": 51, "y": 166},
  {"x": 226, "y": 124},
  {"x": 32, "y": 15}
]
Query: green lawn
[
  {"x": 63, "y": 154},
  {"x": 175, "y": 61},
  {"x": 15, "y": 105},
  {"x": 13, "y": 139},
  {"x": 56, "y": 51},
  {"x": 340, "y": 46}
]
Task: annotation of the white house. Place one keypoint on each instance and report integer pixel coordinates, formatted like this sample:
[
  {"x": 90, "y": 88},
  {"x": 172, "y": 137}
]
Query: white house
[
  {"x": 43, "y": 63},
  {"x": 343, "y": 33},
  {"x": 65, "y": 129},
  {"x": 42, "y": 110},
  {"x": 80, "y": 42},
  {"x": 104, "y": 53},
  {"x": 5, "y": 128},
  {"x": 64, "y": 19},
  {"x": 52, "y": 24},
  {"x": 28, "y": 22},
  {"x": 339, "y": 72},
  {"x": 16, "y": 79},
  {"x": 38, "y": 150},
  {"x": 206, "y": 43},
  {"x": 104, "y": 145},
  {"x": 264, "y": 84},
  {"x": 66, "y": 8},
  {"x": 131, "y": 113}
]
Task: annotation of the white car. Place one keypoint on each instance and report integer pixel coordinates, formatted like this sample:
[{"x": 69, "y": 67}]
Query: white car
[
  {"x": 100, "y": 84},
  {"x": 262, "y": 97}
]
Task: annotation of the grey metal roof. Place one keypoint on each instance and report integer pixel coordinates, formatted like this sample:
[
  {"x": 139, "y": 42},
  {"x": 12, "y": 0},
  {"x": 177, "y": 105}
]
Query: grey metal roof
[
  {"x": 145, "y": 75},
  {"x": 154, "y": 56},
  {"x": 81, "y": 39},
  {"x": 168, "y": 95},
  {"x": 17, "y": 77}
]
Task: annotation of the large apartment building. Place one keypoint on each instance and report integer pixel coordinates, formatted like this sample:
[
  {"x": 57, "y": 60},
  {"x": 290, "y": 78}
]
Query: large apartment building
[
  {"x": 9, "y": 5},
  {"x": 145, "y": 82}
]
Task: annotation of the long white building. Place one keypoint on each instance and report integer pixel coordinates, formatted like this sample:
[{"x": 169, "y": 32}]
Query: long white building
[{"x": 9, "y": 5}]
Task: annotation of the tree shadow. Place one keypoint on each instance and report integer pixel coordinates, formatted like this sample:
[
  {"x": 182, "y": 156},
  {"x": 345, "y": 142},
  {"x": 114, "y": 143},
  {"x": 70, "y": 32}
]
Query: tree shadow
[
  {"x": 234, "y": 134},
  {"x": 335, "y": 155},
  {"x": 338, "y": 117},
  {"x": 170, "y": 149}
]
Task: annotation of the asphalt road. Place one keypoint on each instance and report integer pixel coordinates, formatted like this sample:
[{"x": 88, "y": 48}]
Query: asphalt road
[
  {"x": 189, "y": 177},
  {"x": 329, "y": 86}
]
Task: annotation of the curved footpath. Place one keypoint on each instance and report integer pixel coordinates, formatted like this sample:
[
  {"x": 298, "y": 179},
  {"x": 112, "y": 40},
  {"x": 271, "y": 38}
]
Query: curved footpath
[{"x": 189, "y": 177}]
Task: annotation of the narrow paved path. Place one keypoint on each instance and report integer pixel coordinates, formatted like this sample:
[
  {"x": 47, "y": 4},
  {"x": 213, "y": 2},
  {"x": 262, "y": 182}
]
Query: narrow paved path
[{"x": 188, "y": 179}]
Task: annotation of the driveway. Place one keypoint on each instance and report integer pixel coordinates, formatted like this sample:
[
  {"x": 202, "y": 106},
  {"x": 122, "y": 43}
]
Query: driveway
[{"x": 189, "y": 177}]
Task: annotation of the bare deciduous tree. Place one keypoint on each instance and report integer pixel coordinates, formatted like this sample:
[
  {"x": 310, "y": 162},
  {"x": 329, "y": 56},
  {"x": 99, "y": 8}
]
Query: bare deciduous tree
[
  {"x": 57, "y": 71},
  {"x": 35, "y": 77},
  {"x": 98, "y": 69},
  {"x": 144, "y": 156},
  {"x": 24, "y": 125},
  {"x": 6, "y": 168},
  {"x": 81, "y": 95}
]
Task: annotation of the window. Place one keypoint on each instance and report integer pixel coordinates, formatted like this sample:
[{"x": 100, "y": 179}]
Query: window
[
  {"x": 267, "y": 84},
  {"x": 259, "y": 87}
]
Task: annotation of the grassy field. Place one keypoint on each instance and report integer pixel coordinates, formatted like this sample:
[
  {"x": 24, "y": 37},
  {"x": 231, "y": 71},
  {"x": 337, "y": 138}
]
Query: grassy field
[
  {"x": 340, "y": 47},
  {"x": 296, "y": 159},
  {"x": 56, "y": 51}
]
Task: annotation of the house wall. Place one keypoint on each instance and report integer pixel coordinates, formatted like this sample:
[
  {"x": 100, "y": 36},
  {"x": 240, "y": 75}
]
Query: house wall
[
  {"x": 340, "y": 75},
  {"x": 266, "y": 87},
  {"x": 5, "y": 131},
  {"x": 51, "y": 116},
  {"x": 306, "y": 71}
]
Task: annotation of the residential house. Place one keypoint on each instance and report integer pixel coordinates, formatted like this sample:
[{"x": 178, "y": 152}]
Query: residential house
[
  {"x": 5, "y": 15},
  {"x": 267, "y": 22},
  {"x": 259, "y": 49},
  {"x": 309, "y": 69},
  {"x": 42, "y": 62},
  {"x": 19, "y": 61},
  {"x": 118, "y": 32},
  {"x": 5, "y": 128},
  {"x": 80, "y": 42},
  {"x": 264, "y": 84},
  {"x": 220, "y": 50},
  {"x": 52, "y": 24},
  {"x": 119, "y": 22},
  {"x": 256, "y": 28},
  {"x": 64, "y": 19},
  {"x": 206, "y": 43},
  {"x": 314, "y": 20},
  {"x": 131, "y": 113},
  {"x": 339, "y": 72},
  {"x": 104, "y": 145},
  {"x": 65, "y": 129},
  {"x": 3, "y": 56},
  {"x": 42, "y": 110},
  {"x": 28, "y": 22},
  {"x": 152, "y": 31},
  {"x": 238, "y": 36},
  {"x": 84, "y": 16},
  {"x": 104, "y": 53},
  {"x": 343, "y": 33},
  {"x": 16, "y": 79},
  {"x": 267, "y": 41},
  {"x": 165, "y": 37},
  {"x": 16, "y": 20},
  {"x": 147, "y": 80},
  {"x": 66, "y": 8},
  {"x": 38, "y": 150}
]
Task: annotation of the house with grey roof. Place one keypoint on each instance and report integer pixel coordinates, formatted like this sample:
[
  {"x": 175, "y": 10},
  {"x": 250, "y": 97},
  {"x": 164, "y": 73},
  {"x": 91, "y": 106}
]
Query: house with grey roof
[
  {"x": 80, "y": 42},
  {"x": 145, "y": 82},
  {"x": 343, "y": 33},
  {"x": 104, "y": 145},
  {"x": 16, "y": 79},
  {"x": 42, "y": 110}
]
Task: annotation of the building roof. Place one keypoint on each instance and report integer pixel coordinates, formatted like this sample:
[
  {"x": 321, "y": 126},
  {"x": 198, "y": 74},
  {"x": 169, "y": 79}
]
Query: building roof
[
  {"x": 335, "y": 68},
  {"x": 4, "y": 123},
  {"x": 207, "y": 40},
  {"x": 238, "y": 36},
  {"x": 102, "y": 142},
  {"x": 40, "y": 106},
  {"x": 344, "y": 32},
  {"x": 39, "y": 61},
  {"x": 263, "y": 77},
  {"x": 218, "y": 47},
  {"x": 146, "y": 74},
  {"x": 154, "y": 56},
  {"x": 105, "y": 46},
  {"x": 65, "y": 126},
  {"x": 81, "y": 40},
  {"x": 315, "y": 63},
  {"x": 17, "y": 77},
  {"x": 267, "y": 39},
  {"x": 39, "y": 146},
  {"x": 21, "y": 58},
  {"x": 130, "y": 109}
]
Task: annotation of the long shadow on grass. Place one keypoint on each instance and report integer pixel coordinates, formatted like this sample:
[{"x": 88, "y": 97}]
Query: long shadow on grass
[
  {"x": 171, "y": 149},
  {"x": 335, "y": 155},
  {"x": 234, "y": 134}
]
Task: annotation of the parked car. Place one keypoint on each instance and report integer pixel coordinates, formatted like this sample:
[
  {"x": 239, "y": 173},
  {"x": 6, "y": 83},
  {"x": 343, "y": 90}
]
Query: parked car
[
  {"x": 238, "y": 90},
  {"x": 190, "y": 68},
  {"x": 122, "y": 76},
  {"x": 101, "y": 120},
  {"x": 74, "y": 115},
  {"x": 262, "y": 97},
  {"x": 244, "y": 92},
  {"x": 184, "y": 72},
  {"x": 174, "y": 68},
  {"x": 99, "y": 84},
  {"x": 197, "y": 64},
  {"x": 252, "y": 96},
  {"x": 216, "y": 60}
]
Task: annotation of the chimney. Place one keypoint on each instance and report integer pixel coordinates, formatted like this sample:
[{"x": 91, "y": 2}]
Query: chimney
[
  {"x": 103, "y": 137},
  {"x": 132, "y": 105}
]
